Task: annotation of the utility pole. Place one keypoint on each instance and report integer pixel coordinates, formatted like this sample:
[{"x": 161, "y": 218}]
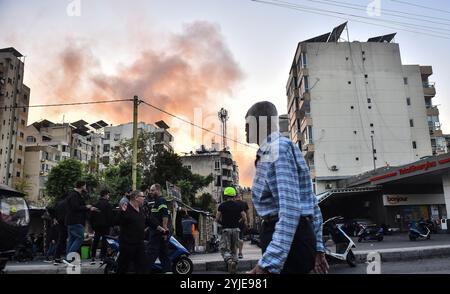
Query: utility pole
[
  {"x": 373, "y": 154},
  {"x": 135, "y": 142}
]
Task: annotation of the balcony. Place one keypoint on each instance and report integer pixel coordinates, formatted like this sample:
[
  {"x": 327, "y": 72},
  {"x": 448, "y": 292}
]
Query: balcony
[
  {"x": 308, "y": 148},
  {"x": 432, "y": 111},
  {"x": 436, "y": 133},
  {"x": 429, "y": 90},
  {"x": 307, "y": 121},
  {"x": 426, "y": 71}
]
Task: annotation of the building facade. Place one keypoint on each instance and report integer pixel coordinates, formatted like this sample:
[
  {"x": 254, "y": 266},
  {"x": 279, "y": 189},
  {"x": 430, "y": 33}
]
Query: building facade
[
  {"x": 218, "y": 163},
  {"x": 113, "y": 135},
  {"x": 47, "y": 143},
  {"x": 13, "y": 121},
  {"x": 354, "y": 107}
]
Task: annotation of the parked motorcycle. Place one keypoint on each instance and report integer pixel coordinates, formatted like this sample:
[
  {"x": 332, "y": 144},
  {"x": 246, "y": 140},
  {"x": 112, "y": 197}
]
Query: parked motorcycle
[
  {"x": 371, "y": 233},
  {"x": 178, "y": 255},
  {"x": 419, "y": 231},
  {"x": 338, "y": 245},
  {"x": 213, "y": 244}
]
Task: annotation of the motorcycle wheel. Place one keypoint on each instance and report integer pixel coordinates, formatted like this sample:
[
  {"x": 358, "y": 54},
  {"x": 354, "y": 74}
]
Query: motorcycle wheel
[
  {"x": 110, "y": 268},
  {"x": 351, "y": 259},
  {"x": 183, "y": 266}
]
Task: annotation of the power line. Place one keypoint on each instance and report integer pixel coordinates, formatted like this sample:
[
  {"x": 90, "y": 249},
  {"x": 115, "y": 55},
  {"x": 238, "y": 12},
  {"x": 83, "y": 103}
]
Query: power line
[
  {"x": 406, "y": 24},
  {"x": 331, "y": 14},
  {"x": 392, "y": 10},
  {"x": 68, "y": 104},
  {"x": 421, "y": 6},
  {"x": 195, "y": 125},
  {"x": 364, "y": 8}
]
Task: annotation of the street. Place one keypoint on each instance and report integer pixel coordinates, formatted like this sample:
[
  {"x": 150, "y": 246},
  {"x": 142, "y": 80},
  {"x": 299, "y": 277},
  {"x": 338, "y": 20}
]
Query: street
[{"x": 421, "y": 266}]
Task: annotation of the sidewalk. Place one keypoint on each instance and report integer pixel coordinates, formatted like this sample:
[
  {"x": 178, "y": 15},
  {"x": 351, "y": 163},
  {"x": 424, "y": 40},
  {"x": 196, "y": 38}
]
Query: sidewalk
[{"x": 393, "y": 248}]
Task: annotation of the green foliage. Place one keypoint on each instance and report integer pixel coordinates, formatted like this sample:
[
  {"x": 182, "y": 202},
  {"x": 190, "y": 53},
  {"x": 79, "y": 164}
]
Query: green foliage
[{"x": 62, "y": 178}]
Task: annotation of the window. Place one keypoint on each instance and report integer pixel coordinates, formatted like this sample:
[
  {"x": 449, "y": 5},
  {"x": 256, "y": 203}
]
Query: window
[
  {"x": 411, "y": 123},
  {"x": 405, "y": 81},
  {"x": 189, "y": 167},
  {"x": 366, "y": 76},
  {"x": 352, "y": 107},
  {"x": 371, "y": 125},
  {"x": 369, "y": 100},
  {"x": 18, "y": 174},
  {"x": 217, "y": 165},
  {"x": 370, "y": 107},
  {"x": 414, "y": 144},
  {"x": 355, "y": 132},
  {"x": 306, "y": 83},
  {"x": 21, "y": 134},
  {"x": 31, "y": 139},
  {"x": 304, "y": 60},
  {"x": 107, "y": 135},
  {"x": 357, "y": 158},
  {"x": 349, "y": 82},
  {"x": 408, "y": 101},
  {"x": 23, "y": 122},
  {"x": 24, "y": 109},
  {"x": 106, "y": 148},
  {"x": 19, "y": 160},
  {"x": 20, "y": 147}
]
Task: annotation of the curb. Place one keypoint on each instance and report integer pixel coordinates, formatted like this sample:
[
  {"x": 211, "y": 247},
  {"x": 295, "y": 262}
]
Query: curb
[{"x": 388, "y": 255}]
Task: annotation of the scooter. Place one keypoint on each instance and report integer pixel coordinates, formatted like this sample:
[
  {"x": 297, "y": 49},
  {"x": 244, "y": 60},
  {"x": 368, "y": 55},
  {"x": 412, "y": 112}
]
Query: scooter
[
  {"x": 371, "y": 233},
  {"x": 419, "y": 231},
  {"x": 213, "y": 244},
  {"x": 178, "y": 255},
  {"x": 338, "y": 245}
]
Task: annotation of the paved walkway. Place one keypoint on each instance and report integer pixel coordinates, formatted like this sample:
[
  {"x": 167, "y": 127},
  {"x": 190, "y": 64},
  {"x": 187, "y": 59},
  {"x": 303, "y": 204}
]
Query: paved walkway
[{"x": 393, "y": 248}]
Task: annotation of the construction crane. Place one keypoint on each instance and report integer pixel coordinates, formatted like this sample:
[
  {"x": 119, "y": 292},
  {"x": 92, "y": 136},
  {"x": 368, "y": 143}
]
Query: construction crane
[{"x": 223, "y": 117}]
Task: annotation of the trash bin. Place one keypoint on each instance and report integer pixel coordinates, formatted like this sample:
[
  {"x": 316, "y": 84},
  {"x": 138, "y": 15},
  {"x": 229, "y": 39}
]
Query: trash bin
[{"x": 84, "y": 252}]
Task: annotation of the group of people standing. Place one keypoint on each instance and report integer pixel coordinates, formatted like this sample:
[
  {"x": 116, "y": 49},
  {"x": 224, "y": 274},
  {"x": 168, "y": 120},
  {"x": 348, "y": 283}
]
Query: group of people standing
[{"x": 137, "y": 221}]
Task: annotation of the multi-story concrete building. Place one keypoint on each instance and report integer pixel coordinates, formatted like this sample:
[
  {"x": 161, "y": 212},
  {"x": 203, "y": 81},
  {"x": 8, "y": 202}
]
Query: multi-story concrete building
[
  {"x": 354, "y": 107},
  {"x": 47, "y": 143},
  {"x": 13, "y": 121},
  {"x": 218, "y": 163},
  {"x": 115, "y": 134}
]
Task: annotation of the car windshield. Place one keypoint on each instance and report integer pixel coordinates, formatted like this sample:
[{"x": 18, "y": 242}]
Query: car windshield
[{"x": 14, "y": 211}]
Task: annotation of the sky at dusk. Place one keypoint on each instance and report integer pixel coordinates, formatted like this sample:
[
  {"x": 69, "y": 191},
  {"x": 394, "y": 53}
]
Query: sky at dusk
[{"x": 192, "y": 57}]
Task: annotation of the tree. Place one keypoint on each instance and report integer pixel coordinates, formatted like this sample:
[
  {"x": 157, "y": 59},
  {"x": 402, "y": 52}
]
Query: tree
[
  {"x": 206, "y": 202},
  {"x": 117, "y": 179},
  {"x": 146, "y": 154},
  {"x": 62, "y": 178},
  {"x": 22, "y": 186}
]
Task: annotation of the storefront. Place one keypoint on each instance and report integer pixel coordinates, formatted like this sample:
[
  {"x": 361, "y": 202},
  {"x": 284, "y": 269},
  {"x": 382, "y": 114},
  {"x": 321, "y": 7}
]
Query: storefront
[
  {"x": 394, "y": 196},
  {"x": 402, "y": 209}
]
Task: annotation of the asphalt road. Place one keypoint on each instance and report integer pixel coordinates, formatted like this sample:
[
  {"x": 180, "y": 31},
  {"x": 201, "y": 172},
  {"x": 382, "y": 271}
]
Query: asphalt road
[{"x": 423, "y": 266}]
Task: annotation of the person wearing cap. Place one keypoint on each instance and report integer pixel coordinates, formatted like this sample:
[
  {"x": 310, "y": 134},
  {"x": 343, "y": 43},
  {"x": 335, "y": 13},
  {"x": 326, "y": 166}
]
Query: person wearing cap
[
  {"x": 291, "y": 232},
  {"x": 229, "y": 213}
]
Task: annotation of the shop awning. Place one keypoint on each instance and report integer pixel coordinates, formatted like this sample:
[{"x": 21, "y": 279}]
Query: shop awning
[{"x": 345, "y": 191}]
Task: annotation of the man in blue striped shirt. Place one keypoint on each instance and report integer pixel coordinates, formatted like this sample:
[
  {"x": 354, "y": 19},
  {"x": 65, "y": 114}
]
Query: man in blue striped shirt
[{"x": 291, "y": 234}]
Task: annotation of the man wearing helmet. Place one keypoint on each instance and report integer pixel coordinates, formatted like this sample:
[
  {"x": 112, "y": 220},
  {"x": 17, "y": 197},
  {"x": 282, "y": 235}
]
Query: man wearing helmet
[{"x": 228, "y": 215}]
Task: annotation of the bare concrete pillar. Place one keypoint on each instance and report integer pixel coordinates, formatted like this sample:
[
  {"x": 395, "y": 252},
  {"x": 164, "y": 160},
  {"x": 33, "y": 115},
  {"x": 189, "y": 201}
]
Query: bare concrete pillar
[{"x": 446, "y": 186}]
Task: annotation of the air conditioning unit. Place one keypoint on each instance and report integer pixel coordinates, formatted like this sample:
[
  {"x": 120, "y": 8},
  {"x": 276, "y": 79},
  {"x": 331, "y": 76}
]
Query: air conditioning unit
[{"x": 334, "y": 168}]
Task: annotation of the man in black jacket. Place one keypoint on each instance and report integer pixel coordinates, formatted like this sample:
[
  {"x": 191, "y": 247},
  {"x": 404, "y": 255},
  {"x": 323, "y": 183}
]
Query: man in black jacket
[
  {"x": 61, "y": 212},
  {"x": 101, "y": 223},
  {"x": 76, "y": 216},
  {"x": 132, "y": 221}
]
